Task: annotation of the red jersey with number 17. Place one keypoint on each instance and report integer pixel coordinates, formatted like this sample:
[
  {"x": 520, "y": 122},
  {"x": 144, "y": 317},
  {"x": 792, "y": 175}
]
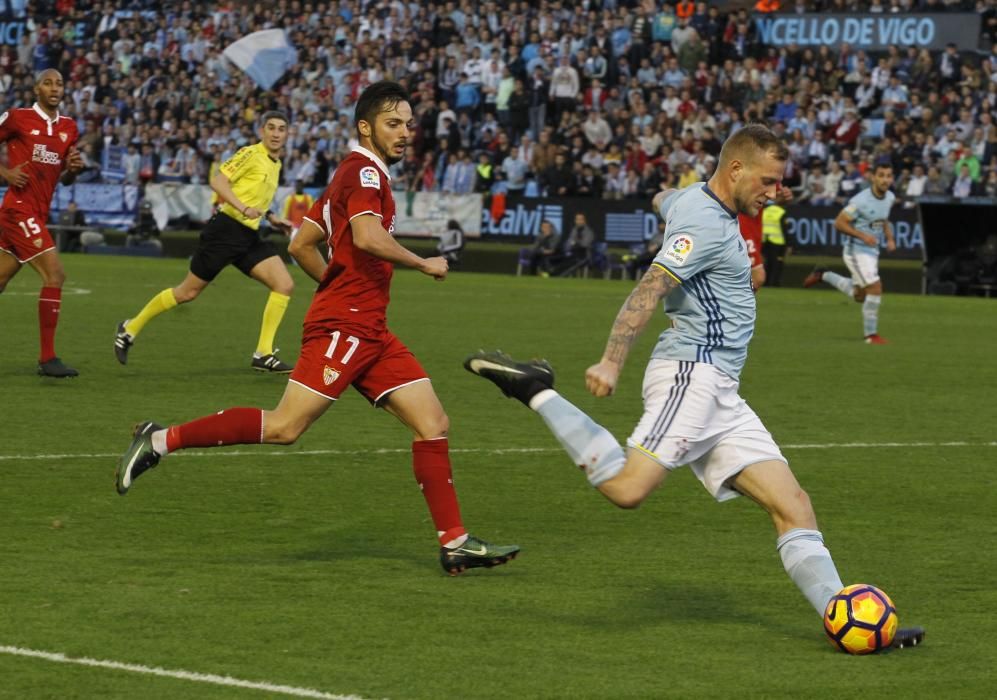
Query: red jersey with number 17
[
  {"x": 355, "y": 288},
  {"x": 42, "y": 145}
]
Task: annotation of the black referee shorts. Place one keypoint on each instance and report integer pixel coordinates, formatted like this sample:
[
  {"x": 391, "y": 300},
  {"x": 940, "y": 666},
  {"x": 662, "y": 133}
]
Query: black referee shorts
[{"x": 224, "y": 241}]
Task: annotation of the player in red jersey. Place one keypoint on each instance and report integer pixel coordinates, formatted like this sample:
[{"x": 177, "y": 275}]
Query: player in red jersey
[
  {"x": 41, "y": 151},
  {"x": 346, "y": 340}
]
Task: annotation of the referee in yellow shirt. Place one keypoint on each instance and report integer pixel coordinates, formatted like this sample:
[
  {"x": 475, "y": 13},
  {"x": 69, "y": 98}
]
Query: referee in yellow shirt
[{"x": 245, "y": 184}]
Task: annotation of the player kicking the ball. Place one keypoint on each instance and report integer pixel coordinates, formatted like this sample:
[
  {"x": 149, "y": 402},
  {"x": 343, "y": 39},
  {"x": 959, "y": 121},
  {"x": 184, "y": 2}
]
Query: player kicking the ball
[
  {"x": 692, "y": 412},
  {"x": 346, "y": 341}
]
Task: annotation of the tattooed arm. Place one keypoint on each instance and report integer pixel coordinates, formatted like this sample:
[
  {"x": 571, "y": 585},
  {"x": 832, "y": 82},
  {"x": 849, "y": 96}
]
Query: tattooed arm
[{"x": 600, "y": 379}]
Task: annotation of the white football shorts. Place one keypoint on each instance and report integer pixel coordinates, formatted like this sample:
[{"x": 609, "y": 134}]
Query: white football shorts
[
  {"x": 693, "y": 416},
  {"x": 863, "y": 267}
]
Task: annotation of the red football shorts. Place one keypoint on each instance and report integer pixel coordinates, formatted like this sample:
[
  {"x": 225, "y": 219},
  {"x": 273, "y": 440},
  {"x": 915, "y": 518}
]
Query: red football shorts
[
  {"x": 375, "y": 366},
  {"x": 24, "y": 236}
]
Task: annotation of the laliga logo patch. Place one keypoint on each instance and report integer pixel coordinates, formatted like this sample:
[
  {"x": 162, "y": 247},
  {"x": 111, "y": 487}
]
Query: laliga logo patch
[
  {"x": 369, "y": 177},
  {"x": 329, "y": 375},
  {"x": 679, "y": 249}
]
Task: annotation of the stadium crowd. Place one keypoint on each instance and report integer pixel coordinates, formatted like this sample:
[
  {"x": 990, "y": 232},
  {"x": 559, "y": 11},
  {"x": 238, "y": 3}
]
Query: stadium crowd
[{"x": 605, "y": 99}]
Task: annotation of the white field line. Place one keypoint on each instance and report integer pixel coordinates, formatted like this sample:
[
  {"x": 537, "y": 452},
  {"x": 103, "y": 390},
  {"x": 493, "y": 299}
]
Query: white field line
[
  {"x": 195, "y": 454},
  {"x": 180, "y": 674}
]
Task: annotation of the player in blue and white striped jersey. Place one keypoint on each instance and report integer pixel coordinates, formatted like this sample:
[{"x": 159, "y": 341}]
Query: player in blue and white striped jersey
[
  {"x": 693, "y": 415},
  {"x": 865, "y": 223}
]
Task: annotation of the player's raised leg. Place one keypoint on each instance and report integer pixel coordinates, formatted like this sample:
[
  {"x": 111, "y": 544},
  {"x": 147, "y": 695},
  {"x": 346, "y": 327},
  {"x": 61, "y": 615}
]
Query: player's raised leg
[
  {"x": 822, "y": 274},
  {"x": 49, "y": 268},
  {"x": 417, "y": 406},
  {"x": 272, "y": 273},
  {"x": 188, "y": 290},
  {"x": 297, "y": 410},
  {"x": 626, "y": 479}
]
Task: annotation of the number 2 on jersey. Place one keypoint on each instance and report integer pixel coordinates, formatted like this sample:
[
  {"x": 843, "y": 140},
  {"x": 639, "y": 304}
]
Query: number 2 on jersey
[
  {"x": 29, "y": 227},
  {"x": 352, "y": 340}
]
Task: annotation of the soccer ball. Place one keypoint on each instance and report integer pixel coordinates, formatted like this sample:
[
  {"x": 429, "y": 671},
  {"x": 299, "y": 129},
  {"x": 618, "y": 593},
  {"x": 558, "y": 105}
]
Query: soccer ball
[{"x": 860, "y": 619}]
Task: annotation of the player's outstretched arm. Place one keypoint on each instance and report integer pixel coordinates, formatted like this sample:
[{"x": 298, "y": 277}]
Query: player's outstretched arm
[
  {"x": 304, "y": 249},
  {"x": 637, "y": 310},
  {"x": 369, "y": 236}
]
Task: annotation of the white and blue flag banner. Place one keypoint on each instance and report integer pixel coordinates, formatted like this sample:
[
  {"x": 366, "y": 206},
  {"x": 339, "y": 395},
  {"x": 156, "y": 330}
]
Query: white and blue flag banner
[{"x": 264, "y": 56}]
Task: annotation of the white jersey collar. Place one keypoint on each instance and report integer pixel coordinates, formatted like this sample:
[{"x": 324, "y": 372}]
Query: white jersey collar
[
  {"x": 41, "y": 113},
  {"x": 364, "y": 152}
]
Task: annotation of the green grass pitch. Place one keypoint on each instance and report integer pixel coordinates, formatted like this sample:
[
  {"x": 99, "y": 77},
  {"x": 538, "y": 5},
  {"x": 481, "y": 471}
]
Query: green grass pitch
[{"x": 314, "y": 566}]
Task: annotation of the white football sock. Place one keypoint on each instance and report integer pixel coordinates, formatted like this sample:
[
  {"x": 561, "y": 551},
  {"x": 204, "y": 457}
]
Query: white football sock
[{"x": 159, "y": 442}]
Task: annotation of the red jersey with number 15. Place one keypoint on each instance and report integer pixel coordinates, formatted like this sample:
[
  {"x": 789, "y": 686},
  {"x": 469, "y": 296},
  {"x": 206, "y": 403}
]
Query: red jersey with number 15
[
  {"x": 42, "y": 145},
  {"x": 355, "y": 288}
]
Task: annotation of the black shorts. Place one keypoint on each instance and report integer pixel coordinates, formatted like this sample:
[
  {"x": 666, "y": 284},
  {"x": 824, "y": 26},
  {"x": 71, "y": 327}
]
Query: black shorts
[{"x": 224, "y": 241}]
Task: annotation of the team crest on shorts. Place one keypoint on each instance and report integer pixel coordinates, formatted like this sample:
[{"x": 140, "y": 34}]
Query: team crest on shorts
[
  {"x": 369, "y": 177},
  {"x": 678, "y": 249},
  {"x": 38, "y": 243},
  {"x": 329, "y": 375}
]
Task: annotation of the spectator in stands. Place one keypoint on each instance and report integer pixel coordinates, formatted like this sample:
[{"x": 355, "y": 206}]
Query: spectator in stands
[
  {"x": 597, "y": 131},
  {"x": 936, "y": 184},
  {"x": 538, "y": 90},
  {"x": 546, "y": 249},
  {"x": 558, "y": 179},
  {"x": 589, "y": 183},
  {"x": 565, "y": 87},
  {"x": 515, "y": 169},
  {"x": 963, "y": 185},
  {"x": 577, "y": 246}
]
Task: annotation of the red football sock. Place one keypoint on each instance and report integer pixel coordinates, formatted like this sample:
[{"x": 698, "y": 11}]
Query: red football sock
[
  {"x": 233, "y": 426},
  {"x": 49, "y": 301},
  {"x": 431, "y": 464}
]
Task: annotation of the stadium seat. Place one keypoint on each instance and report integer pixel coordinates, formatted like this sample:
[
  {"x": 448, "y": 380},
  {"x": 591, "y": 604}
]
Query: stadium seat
[
  {"x": 605, "y": 262},
  {"x": 525, "y": 258}
]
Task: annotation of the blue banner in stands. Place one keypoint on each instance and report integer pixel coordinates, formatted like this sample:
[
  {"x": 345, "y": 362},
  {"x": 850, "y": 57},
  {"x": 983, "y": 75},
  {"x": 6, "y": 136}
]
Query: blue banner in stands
[
  {"x": 110, "y": 206},
  {"x": 875, "y": 32},
  {"x": 11, "y": 32}
]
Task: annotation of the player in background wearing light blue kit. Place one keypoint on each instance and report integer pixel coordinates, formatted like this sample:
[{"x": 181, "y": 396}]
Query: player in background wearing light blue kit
[
  {"x": 864, "y": 221},
  {"x": 692, "y": 413}
]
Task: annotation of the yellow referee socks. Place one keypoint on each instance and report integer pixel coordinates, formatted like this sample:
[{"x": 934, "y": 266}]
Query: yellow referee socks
[
  {"x": 164, "y": 301},
  {"x": 272, "y": 315}
]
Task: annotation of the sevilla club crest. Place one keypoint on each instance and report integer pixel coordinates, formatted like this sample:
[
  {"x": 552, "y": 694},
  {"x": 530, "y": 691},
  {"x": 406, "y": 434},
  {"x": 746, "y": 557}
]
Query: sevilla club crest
[
  {"x": 64, "y": 137},
  {"x": 329, "y": 375}
]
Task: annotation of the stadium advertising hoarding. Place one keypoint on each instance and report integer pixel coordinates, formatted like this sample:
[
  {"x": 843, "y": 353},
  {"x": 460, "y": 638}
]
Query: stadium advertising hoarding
[
  {"x": 624, "y": 222},
  {"x": 871, "y": 32},
  {"x": 812, "y": 229},
  {"x": 425, "y": 214}
]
